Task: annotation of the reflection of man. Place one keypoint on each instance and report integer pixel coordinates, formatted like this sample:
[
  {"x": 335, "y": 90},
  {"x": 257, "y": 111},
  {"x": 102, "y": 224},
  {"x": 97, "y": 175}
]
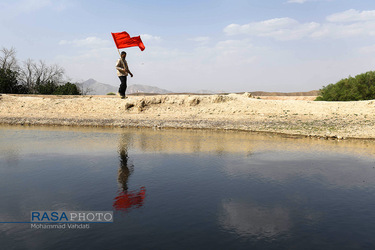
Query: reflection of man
[
  {"x": 125, "y": 169},
  {"x": 127, "y": 199}
]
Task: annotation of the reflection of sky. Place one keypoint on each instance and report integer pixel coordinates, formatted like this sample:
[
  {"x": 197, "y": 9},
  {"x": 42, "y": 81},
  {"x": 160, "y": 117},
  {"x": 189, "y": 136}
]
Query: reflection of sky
[
  {"x": 247, "y": 219},
  {"x": 77, "y": 169},
  {"x": 290, "y": 193},
  {"x": 223, "y": 184},
  {"x": 335, "y": 170}
]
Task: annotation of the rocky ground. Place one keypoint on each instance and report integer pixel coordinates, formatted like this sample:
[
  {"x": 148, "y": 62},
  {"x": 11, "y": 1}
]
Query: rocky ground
[{"x": 287, "y": 115}]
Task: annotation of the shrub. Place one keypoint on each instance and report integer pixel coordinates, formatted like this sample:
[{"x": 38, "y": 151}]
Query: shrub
[
  {"x": 360, "y": 87},
  {"x": 8, "y": 81},
  {"x": 67, "y": 89},
  {"x": 111, "y": 93},
  {"x": 47, "y": 88}
]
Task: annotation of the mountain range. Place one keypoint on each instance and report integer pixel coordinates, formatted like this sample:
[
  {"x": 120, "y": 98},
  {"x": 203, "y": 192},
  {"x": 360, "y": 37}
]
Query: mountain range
[{"x": 93, "y": 87}]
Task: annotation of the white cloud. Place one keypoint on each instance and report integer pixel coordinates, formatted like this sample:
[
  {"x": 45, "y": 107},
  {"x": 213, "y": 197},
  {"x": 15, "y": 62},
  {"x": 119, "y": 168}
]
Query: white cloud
[
  {"x": 350, "y": 23},
  {"x": 352, "y": 16},
  {"x": 278, "y": 28},
  {"x": 12, "y": 9},
  {"x": 337, "y": 31},
  {"x": 367, "y": 49},
  {"x": 31, "y": 5},
  {"x": 236, "y": 53},
  {"x": 262, "y": 27},
  {"x": 148, "y": 38},
  {"x": 201, "y": 39},
  {"x": 90, "y": 42},
  {"x": 297, "y": 1},
  {"x": 233, "y": 46},
  {"x": 305, "y": 1}
]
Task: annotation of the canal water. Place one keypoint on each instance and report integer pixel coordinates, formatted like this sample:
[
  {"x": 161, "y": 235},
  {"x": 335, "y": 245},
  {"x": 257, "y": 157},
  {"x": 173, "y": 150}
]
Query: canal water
[{"x": 180, "y": 189}]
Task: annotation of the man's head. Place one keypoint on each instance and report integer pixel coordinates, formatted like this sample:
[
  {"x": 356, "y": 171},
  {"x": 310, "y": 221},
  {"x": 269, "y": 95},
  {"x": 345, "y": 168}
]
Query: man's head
[{"x": 123, "y": 54}]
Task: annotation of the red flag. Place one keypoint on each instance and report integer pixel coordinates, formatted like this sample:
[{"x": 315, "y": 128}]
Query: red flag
[
  {"x": 125, "y": 200},
  {"x": 123, "y": 40}
]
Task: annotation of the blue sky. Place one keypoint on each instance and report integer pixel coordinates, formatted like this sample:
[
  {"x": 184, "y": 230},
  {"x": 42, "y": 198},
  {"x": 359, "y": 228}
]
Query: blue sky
[{"x": 236, "y": 45}]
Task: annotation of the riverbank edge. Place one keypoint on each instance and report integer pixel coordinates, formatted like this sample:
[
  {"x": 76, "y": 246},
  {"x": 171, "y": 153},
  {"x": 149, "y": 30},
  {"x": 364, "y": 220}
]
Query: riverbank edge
[
  {"x": 234, "y": 112},
  {"x": 167, "y": 124}
]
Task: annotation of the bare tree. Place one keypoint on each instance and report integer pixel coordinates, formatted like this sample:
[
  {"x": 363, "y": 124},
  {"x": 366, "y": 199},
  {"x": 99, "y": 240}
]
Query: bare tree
[
  {"x": 26, "y": 74},
  {"x": 44, "y": 73},
  {"x": 31, "y": 77},
  {"x": 8, "y": 59},
  {"x": 33, "y": 74}
]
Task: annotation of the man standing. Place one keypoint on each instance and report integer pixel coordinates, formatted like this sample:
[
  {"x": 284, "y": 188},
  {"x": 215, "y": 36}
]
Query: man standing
[{"x": 122, "y": 72}]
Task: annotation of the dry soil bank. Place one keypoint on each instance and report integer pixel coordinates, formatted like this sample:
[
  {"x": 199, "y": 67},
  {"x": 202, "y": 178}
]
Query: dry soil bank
[{"x": 287, "y": 115}]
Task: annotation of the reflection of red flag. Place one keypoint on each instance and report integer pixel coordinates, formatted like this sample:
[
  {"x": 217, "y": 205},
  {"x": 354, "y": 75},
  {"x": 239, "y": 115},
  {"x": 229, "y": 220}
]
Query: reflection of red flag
[
  {"x": 123, "y": 40},
  {"x": 124, "y": 201}
]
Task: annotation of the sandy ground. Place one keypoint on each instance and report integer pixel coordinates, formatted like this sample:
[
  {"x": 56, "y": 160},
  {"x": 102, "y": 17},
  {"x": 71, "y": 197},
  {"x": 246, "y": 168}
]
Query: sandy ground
[{"x": 287, "y": 115}]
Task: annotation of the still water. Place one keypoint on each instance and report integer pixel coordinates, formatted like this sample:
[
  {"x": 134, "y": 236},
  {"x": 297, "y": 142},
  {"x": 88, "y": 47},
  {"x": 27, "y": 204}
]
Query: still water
[{"x": 176, "y": 189}]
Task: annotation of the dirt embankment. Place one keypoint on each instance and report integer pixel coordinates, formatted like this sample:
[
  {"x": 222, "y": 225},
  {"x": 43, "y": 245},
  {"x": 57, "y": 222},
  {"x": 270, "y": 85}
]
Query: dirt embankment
[
  {"x": 232, "y": 111},
  {"x": 291, "y": 94}
]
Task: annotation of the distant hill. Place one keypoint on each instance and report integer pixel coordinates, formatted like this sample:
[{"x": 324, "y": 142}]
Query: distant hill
[
  {"x": 93, "y": 87},
  {"x": 138, "y": 88}
]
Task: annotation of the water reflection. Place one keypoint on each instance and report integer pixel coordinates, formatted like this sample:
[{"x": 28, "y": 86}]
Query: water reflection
[
  {"x": 100, "y": 140},
  {"x": 248, "y": 219},
  {"x": 339, "y": 172},
  {"x": 11, "y": 155},
  {"x": 126, "y": 168},
  {"x": 127, "y": 199},
  {"x": 230, "y": 190}
]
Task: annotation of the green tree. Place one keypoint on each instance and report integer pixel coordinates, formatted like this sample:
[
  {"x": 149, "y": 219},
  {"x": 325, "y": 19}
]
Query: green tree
[
  {"x": 47, "y": 88},
  {"x": 9, "y": 82},
  {"x": 9, "y": 72},
  {"x": 360, "y": 87},
  {"x": 67, "y": 89}
]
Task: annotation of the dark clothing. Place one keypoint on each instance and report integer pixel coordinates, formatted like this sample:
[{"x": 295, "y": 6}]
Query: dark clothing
[{"x": 123, "y": 85}]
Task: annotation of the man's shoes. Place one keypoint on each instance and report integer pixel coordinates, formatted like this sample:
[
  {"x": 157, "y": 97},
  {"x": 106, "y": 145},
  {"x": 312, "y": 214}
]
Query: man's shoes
[{"x": 124, "y": 97}]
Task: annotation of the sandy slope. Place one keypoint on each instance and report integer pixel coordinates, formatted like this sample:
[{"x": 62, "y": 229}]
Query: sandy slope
[{"x": 233, "y": 111}]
